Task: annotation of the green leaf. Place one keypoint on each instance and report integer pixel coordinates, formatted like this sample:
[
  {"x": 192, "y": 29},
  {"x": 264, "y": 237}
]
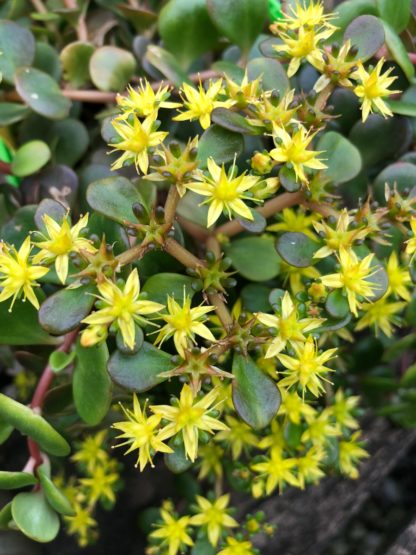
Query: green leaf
[
  {"x": 42, "y": 93},
  {"x": 233, "y": 121},
  {"x": 167, "y": 64},
  {"x": 114, "y": 197},
  {"x": 177, "y": 461},
  {"x": 21, "y": 326},
  {"x": 141, "y": 371},
  {"x": 16, "y": 480},
  {"x": 366, "y": 33},
  {"x": 47, "y": 60},
  {"x": 261, "y": 249},
  {"x": 256, "y": 225},
  {"x": 401, "y": 107},
  {"x": 400, "y": 174},
  {"x": 91, "y": 384},
  {"x": 241, "y": 21},
  {"x": 30, "y": 158},
  {"x": 75, "y": 58},
  {"x": 63, "y": 311},
  {"x": 187, "y": 42},
  {"x": 255, "y": 297},
  {"x": 202, "y": 547},
  {"x": 256, "y": 397},
  {"x": 158, "y": 287},
  {"x": 6, "y": 518},
  {"x": 34, "y": 516},
  {"x": 55, "y": 497},
  {"x": 18, "y": 228},
  {"x": 5, "y": 432},
  {"x": 273, "y": 75},
  {"x": 341, "y": 156},
  {"x": 347, "y": 11},
  {"x": 233, "y": 71},
  {"x": 380, "y": 279},
  {"x": 398, "y": 51},
  {"x": 111, "y": 68},
  {"x": 17, "y": 47},
  {"x": 141, "y": 18},
  {"x": 58, "y": 360},
  {"x": 397, "y": 14},
  {"x": 12, "y": 112},
  {"x": 53, "y": 209},
  {"x": 297, "y": 249},
  {"x": 337, "y": 304},
  {"x": 409, "y": 377},
  {"x": 29, "y": 423},
  {"x": 221, "y": 144}
]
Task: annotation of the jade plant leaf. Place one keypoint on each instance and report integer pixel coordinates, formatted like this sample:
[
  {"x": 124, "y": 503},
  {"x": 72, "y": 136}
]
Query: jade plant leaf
[
  {"x": 35, "y": 426},
  {"x": 114, "y": 197},
  {"x": 337, "y": 304},
  {"x": 243, "y": 251},
  {"x": 30, "y": 157},
  {"x": 16, "y": 480},
  {"x": 398, "y": 50},
  {"x": 56, "y": 498},
  {"x": 91, "y": 384},
  {"x": 272, "y": 73},
  {"x": 177, "y": 461},
  {"x": 221, "y": 144},
  {"x": 35, "y": 517},
  {"x": 75, "y": 59},
  {"x": 296, "y": 248},
  {"x": 366, "y": 33},
  {"x": 167, "y": 64},
  {"x": 256, "y": 397},
  {"x": 12, "y": 112},
  {"x": 21, "y": 327},
  {"x": 42, "y": 93},
  {"x": 63, "y": 311},
  {"x": 397, "y": 14},
  {"x": 233, "y": 122},
  {"x": 17, "y": 46},
  {"x": 158, "y": 287},
  {"x": 111, "y": 68},
  {"x": 140, "y": 371},
  {"x": 342, "y": 158}
]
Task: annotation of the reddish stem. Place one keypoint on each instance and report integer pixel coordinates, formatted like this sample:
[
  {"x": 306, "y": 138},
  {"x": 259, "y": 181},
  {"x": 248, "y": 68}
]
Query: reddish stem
[
  {"x": 5, "y": 168},
  {"x": 41, "y": 391}
]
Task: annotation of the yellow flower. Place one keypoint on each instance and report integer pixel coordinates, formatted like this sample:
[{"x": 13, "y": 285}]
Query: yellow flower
[
  {"x": 305, "y": 14},
  {"x": 293, "y": 149},
  {"x": 411, "y": 243},
  {"x": 381, "y": 315},
  {"x": 81, "y": 523},
  {"x": 275, "y": 438},
  {"x": 226, "y": 192},
  {"x": 304, "y": 45},
  {"x": 210, "y": 459},
  {"x": 307, "y": 368},
  {"x": 399, "y": 278},
  {"x": 136, "y": 140},
  {"x": 17, "y": 274},
  {"x": 60, "y": 241},
  {"x": 279, "y": 470},
  {"x": 350, "y": 454},
  {"x": 237, "y": 547},
  {"x": 352, "y": 277},
  {"x": 121, "y": 306},
  {"x": 246, "y": 92},
  {"x": 294, "y": 407},
  {"x": 173, "y": 532},
  {"x": 339, "y": 237},
  {"x": 141, "y": 432},
  {"x": 101, "y": 485},
  {"x": 295, "y": 220},
  {"x": 183, "y": 323},
  {"x": 214, "y": 515},
  {"x": 90, "y": 451},
  {"x": 339, "y": 66},
  {"x": 343, "y": 408},
  {"x": 309, "y": 470},
  {"x": 144, "y": 101},
  {"x": 238, "y": 436},
  {"x": 372, "y": 88},
  {"x": 320, "y": 429},
  {"x": 200, "y": 103},
  {"x": 271, "y": 108},
  {"x": 188, "y": 416},
  {"x": 288, "y": 327},
  {"x": 295, "y": 276}
]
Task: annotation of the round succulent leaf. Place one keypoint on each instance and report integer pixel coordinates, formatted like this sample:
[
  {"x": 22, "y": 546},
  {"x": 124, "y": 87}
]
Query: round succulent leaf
[
  {"x": 159, "y": 286},
  {"x": 140, "y": 371},
  {"x": 177, "y": 461},
  {"x": 5, "y": 519},
  {"x": 35, "y": 426},
  {"x": 221, "y": 144},
  {"x": 380, "y": 279},
  {"x": 35, "y": 517},
  {"x": 255, "y": 395},
  {"x": 114, "y": 197},
  {"x": 287, "y": 178},
  {"x": 336, "y": 304},
  {"x": 275, "y": 298},
  {"x": 57, "y": 182},
  {"x": 91, "y": 384},
  {"x": 241, "y": 21},
  {"x": 16, "y": 480},
  {"x": 232, "y": 70},
  {"x": 5, "y": 431},
  {"x": 47, "y": 60},
  {"x": 256, "y": 225},
  {"x": 366, "y": 33},
  {"x": 42, "y": 93},
  {"x": 138, "y": 341},
  {"x": 58, "y": 360},
  {"x": 296, "y": 248},
  {"x": 17, "y": 47},
  {"x": 53, "y": 209},
  {"x": 398, "y": 50},
  {"x": 115, "y": 234},
  {"x": 202, "y": 547},
  {"x": 187, "y": 42},
  {"x": 191, "y": 205},
  {"x": 75, "y": 59},
  {"x": 21, "y": 326},
  {"x": 400, "y": 174},
  {"x": 167, "y": 64},
  {"x": 342, "y": 158},
  {"x": 12, "y": 112},
  {"x": 18, "y": 228},
  {"x": 55, "y": 497},
  {"x": 273, "y": 76},
  {"x": 255, "y": 297},
  {"x": 333, "y": 324},
  {"x": 233, "y": 121},
  {"x": 140, "y": 18},
  {"x": 261, "y": 249},
  {"x": 397, "y": 14},
  {"x": 402, "y": 108},
  {"x": 63, "y": 311},
  {"x": 30, "y": 158},
  {"x": 69, "y": 140},
  {"x": 111, "y": 68},
  {"x": 266, "y": 47}
]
